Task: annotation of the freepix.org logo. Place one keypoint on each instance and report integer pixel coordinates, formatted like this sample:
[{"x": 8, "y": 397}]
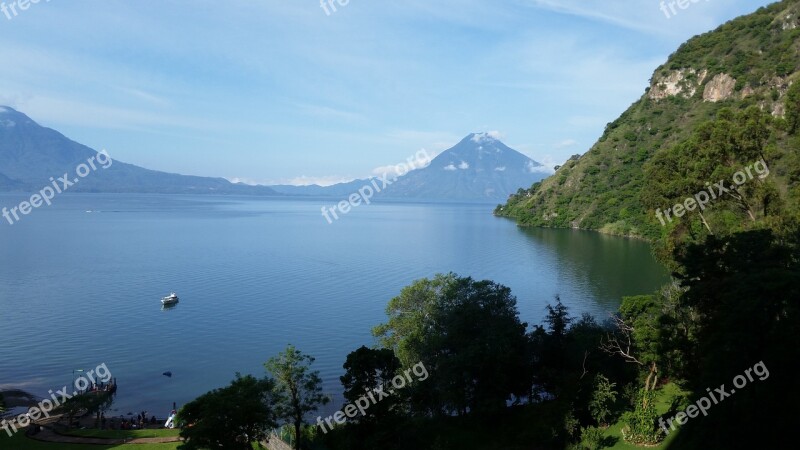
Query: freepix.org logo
[
  {"x": 376, "y": 186},
  {"x": 12, "y": 9},
  {"x": 671, "y": 8},
  {"x": 91, "y": 380},
  {"x": 58, "y": 186}
]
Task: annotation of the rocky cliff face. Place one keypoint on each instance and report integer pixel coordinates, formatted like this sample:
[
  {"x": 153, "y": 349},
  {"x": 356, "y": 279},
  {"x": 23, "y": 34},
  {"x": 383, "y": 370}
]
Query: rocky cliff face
[
  {"x": 682, "y": 82},
  {"x": 719, "y": 88}
]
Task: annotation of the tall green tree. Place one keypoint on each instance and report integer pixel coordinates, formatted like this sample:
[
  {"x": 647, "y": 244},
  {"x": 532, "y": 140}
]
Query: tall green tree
[
  {"x": 231, "y": 417},
  {"x": 411, "y": 316},
  {"x": 745, "y": 289},
  {"x": 479, "y": 348},
  {"x": 552, "y": 359},
  {"x": 365, "y": 370},
  {"x": 603, "y": 398},
  {"x": 469, "y": 336},
  {"x": 298, "y": 388},
  {"x": 654, "y": 333},
  {"x": 715, "y": 152}
]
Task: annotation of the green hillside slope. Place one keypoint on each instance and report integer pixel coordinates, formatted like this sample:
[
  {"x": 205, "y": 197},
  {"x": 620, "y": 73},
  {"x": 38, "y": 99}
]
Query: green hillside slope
[{"x": 751, "y": 61}]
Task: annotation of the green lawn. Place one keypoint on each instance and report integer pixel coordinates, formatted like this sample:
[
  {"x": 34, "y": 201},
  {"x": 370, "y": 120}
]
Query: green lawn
[
  {"x": 120, "y": 434},
  {"x": 663, "y": 403},
  {"x": 20, "y": 442}
]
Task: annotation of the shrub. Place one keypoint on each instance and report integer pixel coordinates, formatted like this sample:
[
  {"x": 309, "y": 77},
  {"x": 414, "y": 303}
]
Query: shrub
[
  {"x": 640, "y": 426},
  {"x": 592, "y": 438}
]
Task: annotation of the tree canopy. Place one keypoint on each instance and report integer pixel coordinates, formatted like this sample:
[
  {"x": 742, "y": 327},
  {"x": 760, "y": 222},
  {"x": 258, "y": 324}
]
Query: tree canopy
[
  {"x": 298, "y": 388},
  {"x": 231, "y": 417}
]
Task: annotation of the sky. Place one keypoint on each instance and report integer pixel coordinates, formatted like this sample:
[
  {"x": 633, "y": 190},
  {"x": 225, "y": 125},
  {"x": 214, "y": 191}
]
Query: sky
[{"x": 286, "y": 91}]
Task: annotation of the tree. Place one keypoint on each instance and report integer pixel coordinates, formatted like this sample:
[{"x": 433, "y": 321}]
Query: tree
[
  {"x": 231, "y": 417},
  {"x": 549, "y": 346},
  {"x": 365, "y": 370},
  {"x": 299, "y": 388},
  {"x": 411, "y": 317},
  {"x": 640, "y": 424},
  {"x": 469, "y": 336},
  {"x": 744, "y": 288},
  {"x": 558, "y": 319},
  {"x": 479, "y": 347},
  {"x": 603, "y": 399},
  {"x": 715, "y": 152},
  {"x": 637, "y": 338}
]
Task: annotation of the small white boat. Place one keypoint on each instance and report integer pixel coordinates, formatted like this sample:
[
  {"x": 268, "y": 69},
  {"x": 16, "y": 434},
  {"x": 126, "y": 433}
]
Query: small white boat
[{"x": 171, "y": 299}]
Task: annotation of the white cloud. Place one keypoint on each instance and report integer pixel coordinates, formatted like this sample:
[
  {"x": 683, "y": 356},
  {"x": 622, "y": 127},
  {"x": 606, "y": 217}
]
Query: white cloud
[
  {"x": 489, "y": 135},
  {"x": 500, "y": 169},
  {"x": 548, "y": 164},
  {"x": 464, "y": 165},
  {"x": 296, "y": 181},
  {"x": 450, "y": 168},
  {"x": 594, "y": 12},
  {"x": 533, "y": 168},
  {"x": 647, "y": 17}
]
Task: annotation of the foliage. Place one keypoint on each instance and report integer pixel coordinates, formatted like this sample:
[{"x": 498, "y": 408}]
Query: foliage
[
  {"x": 641, "y": 426},
  {"x": 468, "y": 334},
  {"x": 298, "y": 388},
  {"x": 601, "y": 189},
  {"x": 231, "y": 417},
  {"x": 716, "y": 151},
  {"x": 592, "y": 438},
  {"x": 365, "y": 370},
  {"x": 409, "y": 315},
  {"x": 745, "y": 289},
  {"x": 793, "y": 107},
  {"x": 603, "y": 399}
]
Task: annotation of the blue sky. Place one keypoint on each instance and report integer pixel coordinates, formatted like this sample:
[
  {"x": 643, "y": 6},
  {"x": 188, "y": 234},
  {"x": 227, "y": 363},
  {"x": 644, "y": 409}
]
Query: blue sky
[{"x": 277, "y": 91}]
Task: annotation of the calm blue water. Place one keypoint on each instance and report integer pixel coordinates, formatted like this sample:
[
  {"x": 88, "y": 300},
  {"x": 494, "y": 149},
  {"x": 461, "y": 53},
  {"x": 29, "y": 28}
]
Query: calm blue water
[{"x": 78, "y": 289}]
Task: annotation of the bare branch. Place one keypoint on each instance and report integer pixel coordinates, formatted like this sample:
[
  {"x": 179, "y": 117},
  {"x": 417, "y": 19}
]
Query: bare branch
[{"x": 620, "y": 343}]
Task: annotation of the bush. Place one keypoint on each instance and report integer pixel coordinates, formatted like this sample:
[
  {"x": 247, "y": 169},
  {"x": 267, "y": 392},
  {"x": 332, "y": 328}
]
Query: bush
[
  {"x": 640, "y": 426},
  {"x": 592, "y": 438},
  {"x": 603, "y": 399}
]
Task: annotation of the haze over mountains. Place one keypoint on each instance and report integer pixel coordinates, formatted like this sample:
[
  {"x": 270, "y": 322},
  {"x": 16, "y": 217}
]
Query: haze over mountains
[
  {"x": 30, "y": 154},
  {"x": 479, "y": 168}
]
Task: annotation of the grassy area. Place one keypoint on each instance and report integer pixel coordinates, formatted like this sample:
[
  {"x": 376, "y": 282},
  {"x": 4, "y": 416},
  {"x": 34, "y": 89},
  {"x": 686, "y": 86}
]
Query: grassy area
[
  {"x": 663, "y": 403},
  {"x": 122, "y": 434},
  {"x": 20, "y": 442}
]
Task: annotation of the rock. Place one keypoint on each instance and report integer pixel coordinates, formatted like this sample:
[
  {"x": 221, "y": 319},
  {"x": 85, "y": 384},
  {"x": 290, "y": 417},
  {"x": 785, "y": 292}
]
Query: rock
[{"x": 719, "y": 88}]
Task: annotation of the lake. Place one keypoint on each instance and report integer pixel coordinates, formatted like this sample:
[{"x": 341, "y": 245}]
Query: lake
[{"x": 80, "y": 283}]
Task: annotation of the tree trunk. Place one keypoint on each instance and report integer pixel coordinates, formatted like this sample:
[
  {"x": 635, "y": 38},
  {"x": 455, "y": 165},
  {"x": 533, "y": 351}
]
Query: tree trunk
[
  {"x": 297, "y": 436},
  {"x": 654, "y": 376}
]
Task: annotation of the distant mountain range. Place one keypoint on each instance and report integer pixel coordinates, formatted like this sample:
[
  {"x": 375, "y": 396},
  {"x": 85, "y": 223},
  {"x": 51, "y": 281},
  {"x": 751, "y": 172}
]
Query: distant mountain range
[
  {"x": 479, "y": 168},
  {"x": 30, "y": 154}
]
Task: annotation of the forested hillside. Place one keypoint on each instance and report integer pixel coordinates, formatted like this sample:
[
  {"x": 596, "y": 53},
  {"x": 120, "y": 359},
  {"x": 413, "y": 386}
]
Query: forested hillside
[{"x": 750, "y": 64}]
